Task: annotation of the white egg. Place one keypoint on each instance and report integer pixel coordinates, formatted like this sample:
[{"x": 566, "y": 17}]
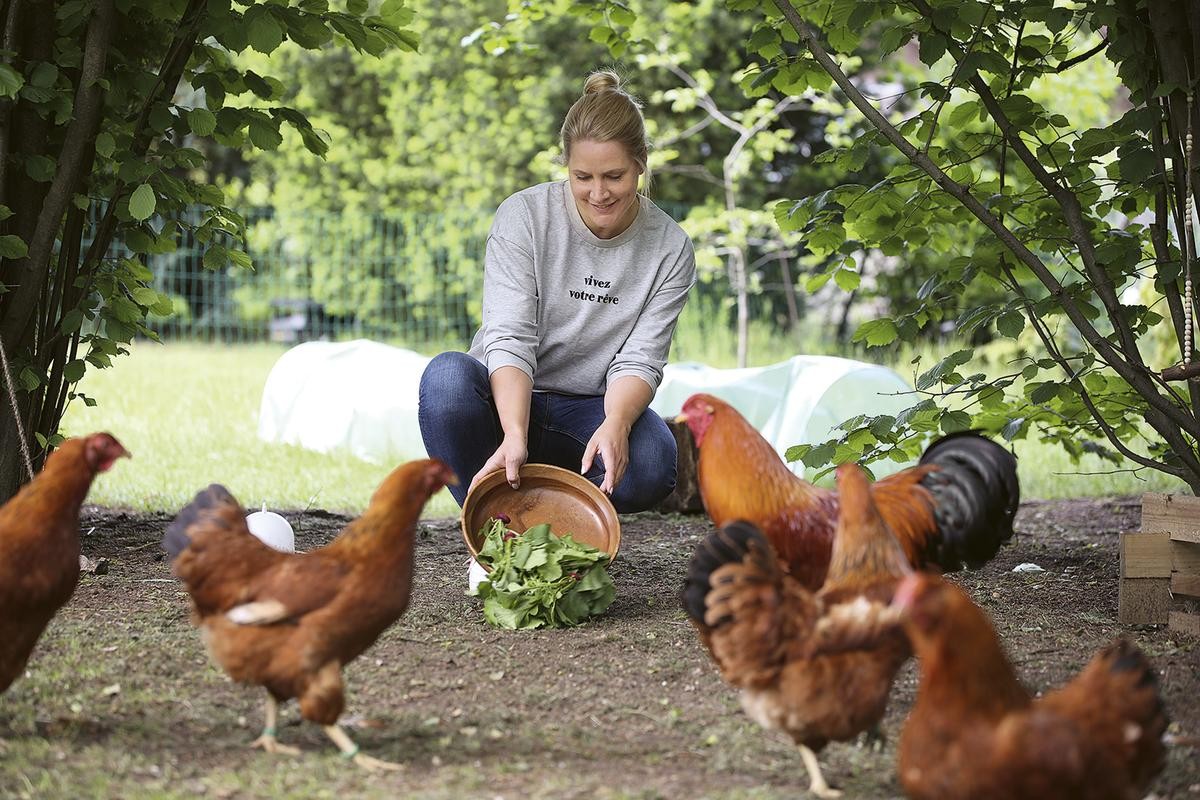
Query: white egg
[
  {"x": 475, "y": 574},
  {"x": 273, "y": 530}
]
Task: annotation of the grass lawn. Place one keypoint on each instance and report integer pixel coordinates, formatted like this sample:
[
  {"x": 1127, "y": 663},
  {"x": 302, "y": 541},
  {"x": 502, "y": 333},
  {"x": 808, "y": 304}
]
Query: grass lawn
[{"x": 189, "y": 415}]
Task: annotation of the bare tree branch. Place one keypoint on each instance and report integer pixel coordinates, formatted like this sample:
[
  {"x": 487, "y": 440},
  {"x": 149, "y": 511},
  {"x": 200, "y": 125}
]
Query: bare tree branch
[
  {"x": 702, "y": 97},
  {"x": 1084, "y": 56}
]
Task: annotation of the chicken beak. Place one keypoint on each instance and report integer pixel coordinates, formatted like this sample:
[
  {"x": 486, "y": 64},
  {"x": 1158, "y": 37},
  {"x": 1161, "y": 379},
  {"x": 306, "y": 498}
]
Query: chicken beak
[{"x": 680, "y": 419}]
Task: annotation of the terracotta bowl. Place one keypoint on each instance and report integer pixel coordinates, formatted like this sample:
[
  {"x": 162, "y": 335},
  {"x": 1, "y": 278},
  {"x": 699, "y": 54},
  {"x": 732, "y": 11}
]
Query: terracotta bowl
[{"x": 566, "y": 500}]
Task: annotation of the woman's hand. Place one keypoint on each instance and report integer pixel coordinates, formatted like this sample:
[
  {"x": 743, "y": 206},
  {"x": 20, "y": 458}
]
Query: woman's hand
[
  {"x": 509, "y": 456},
  {"x": 611, "y": 442}
]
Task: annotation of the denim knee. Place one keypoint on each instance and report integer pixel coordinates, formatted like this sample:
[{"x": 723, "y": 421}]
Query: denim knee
[
  {"x": 450, "y": 382},
  {"x": 650, "y": 477}
]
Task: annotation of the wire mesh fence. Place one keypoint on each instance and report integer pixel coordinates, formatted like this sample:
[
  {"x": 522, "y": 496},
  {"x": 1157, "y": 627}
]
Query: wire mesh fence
[{"x": 415, "y": 279}]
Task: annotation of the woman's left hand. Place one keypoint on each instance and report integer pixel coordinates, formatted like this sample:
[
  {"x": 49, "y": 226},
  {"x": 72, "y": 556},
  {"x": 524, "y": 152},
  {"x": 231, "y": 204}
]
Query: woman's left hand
[{"x": 611, "y": 442}]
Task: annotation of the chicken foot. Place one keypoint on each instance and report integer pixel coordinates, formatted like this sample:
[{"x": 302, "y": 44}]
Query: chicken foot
[
  {"x": 817, "y": 784},
  {"x": 267, "y": 740},
  {"x": 350, "y": 750}
]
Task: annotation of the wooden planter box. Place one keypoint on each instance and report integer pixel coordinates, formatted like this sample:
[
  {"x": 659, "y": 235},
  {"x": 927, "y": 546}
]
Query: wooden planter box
[{"x": 1160, "y": 566}]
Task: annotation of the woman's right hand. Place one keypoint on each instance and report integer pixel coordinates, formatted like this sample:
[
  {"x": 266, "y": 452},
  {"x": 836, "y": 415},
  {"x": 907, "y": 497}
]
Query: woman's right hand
[{"x": 509, "y": 456}]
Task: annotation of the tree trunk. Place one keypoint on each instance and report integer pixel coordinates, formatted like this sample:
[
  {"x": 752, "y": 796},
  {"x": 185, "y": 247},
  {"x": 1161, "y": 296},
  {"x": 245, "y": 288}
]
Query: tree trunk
[
  {"x": 738, "y": 259},
  {"x": 13, "y": 472}
]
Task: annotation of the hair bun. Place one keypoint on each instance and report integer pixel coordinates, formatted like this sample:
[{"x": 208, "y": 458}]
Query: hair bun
[{"x": 602, "y": 80}]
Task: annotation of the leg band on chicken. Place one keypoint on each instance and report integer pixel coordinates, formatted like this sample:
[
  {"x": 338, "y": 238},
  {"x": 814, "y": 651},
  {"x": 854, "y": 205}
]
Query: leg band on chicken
[
  {"x": 267, "y": 740},
  {"x": 350, "y": 751}
]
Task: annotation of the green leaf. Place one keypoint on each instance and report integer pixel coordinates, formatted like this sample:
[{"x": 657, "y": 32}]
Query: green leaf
[
  {"x": 1012, "y": 427},
  {"x": 40, "y": 168},
  {"x": 847, "y": 279},
  {"x": 622, "y": 15},
  {"x": 28, "y": 379},
  {"x": 11, "y": 81},
  {"x": 601, "y": 34},
  {"x": 932, "y": 48},
  {"x": 13, "y": 247},
  {"x": 876, "y": 333},
  {"x": 216, "y": 257},
  {"x": 44, "y": 75},
  {"x": 74, "y": 370},
  {"x": 202, "y": 121},
  {"x": 262, "y": 30},
  {"x": 71, "y": 321},
  {"x": 142, "y": 202},
  {"x": 240, "y": 259},
  {"x": 1010, "y": 324},
  {"x": 1137, "y": 164},
  {"x": 105, "y": 144},
  {"x": 955, "y": 421},
  {"x": 265, "y": 134},
  {"x": 1043, "y": 392}
]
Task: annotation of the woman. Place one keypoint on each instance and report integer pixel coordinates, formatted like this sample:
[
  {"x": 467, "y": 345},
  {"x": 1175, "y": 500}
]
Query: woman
[{"x": 584, "y": 280}]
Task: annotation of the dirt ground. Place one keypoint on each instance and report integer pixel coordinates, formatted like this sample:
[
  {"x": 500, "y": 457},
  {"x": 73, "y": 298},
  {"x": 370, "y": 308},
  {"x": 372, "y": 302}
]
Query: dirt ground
[{"x": 120, "y": 699}]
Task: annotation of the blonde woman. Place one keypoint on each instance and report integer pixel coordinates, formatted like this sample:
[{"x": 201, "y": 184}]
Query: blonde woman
[{"x": 584, "y": 280}]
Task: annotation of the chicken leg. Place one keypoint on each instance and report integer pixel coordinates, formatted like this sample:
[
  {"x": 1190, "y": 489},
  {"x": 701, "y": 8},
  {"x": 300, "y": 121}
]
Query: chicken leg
[
  {"x": 350, "y": 750},
  {"x": 267, "y": 740},
  {"x": 817, "y": 784}
]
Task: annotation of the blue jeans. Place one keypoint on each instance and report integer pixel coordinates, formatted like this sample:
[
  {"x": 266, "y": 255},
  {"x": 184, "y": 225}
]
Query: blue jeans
[{"x": 460, "y": 426}]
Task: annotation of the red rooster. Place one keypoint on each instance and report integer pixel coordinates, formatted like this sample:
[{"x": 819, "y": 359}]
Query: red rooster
[{"x": 954, "y": 508}]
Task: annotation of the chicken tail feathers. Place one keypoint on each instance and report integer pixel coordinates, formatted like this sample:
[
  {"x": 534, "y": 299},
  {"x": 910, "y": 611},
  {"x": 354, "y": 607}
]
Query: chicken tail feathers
[
  {"x": 1134, "y": 689},
  {"x": 177, "y": 538},
  {"x": 744, "y": 604},
  {"x": 975, "y": 495},
  {"x": 731, "y": 544}
]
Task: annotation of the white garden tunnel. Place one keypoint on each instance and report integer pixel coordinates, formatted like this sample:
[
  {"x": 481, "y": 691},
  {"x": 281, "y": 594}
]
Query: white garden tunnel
[{"x": 361, "y": 396}]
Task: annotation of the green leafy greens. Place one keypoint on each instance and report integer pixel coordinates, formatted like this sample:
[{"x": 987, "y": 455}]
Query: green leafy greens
[{"x": 540, "y": 579}]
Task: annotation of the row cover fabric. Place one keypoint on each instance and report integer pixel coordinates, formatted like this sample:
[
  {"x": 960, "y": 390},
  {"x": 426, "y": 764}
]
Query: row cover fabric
[{"x": 361, "y": 396}]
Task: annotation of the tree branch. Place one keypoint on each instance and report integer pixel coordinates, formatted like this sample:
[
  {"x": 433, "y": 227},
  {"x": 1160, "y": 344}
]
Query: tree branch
[
  {"x": 1135, "y": 377},
  {"x": 1084, "y": 56},
  {"x": 685, "y": 134},
  {"x": 12, "y": 17},
  {"x": 80, "y": 137},
  {"x": 706, "y": 102},
  {"x": 1066, "y": 199}
]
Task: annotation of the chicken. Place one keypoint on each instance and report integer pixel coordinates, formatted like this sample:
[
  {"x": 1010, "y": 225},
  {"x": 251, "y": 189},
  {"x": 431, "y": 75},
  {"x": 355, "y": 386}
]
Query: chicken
[
  {"x": 975, "y": 731},
  {"x": 794, "y": 654},
  {"x": 955, "y": 507},
  {"x": 289, "y": 622},
  {"x": 39, "y": 545}
]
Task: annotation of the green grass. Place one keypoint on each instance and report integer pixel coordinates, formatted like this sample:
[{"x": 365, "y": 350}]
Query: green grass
[
  {"x": 189, "y": 412},
  {"x": 189, "y": 415}
]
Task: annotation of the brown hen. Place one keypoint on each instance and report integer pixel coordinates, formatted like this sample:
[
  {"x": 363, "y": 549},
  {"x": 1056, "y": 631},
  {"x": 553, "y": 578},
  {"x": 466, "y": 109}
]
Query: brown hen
[
  {"x": 763, "y": 628},
  {"x": 975, "y": 732},
  {"x": 289, "y": 622},
  {"x": 955, "y": 508},
  {"x": 39, "y": 545}
]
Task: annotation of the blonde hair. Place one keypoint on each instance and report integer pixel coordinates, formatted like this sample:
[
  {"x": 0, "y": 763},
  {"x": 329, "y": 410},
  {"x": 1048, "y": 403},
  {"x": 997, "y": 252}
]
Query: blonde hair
[{"x": 607, "y": 113}]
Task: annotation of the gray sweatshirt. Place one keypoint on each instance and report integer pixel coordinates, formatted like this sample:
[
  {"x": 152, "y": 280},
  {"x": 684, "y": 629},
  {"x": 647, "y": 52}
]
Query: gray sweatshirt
[{"x": 574, "y": 311}]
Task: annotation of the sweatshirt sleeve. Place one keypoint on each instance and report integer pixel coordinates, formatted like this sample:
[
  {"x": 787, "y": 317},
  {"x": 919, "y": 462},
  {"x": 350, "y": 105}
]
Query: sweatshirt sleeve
[
  {"x": 644, "y": 353},
  {"x": 509, "y": 333}
]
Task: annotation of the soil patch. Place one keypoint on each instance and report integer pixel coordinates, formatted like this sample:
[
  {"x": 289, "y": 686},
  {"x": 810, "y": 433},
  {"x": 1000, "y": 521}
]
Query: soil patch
[{"x": 120, "y": 699}]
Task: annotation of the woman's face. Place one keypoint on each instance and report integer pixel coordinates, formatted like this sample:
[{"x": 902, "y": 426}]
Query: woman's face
[{"x": 604, "y": 184}]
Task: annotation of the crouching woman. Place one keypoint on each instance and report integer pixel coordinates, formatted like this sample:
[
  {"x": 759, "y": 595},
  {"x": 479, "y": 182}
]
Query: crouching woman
[{"x": 584, "y": 280}]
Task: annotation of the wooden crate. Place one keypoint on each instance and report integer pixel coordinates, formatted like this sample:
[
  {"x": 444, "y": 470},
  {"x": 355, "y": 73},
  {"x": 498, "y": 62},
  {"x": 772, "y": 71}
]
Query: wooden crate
[{"x": 1160, "y": 566}]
